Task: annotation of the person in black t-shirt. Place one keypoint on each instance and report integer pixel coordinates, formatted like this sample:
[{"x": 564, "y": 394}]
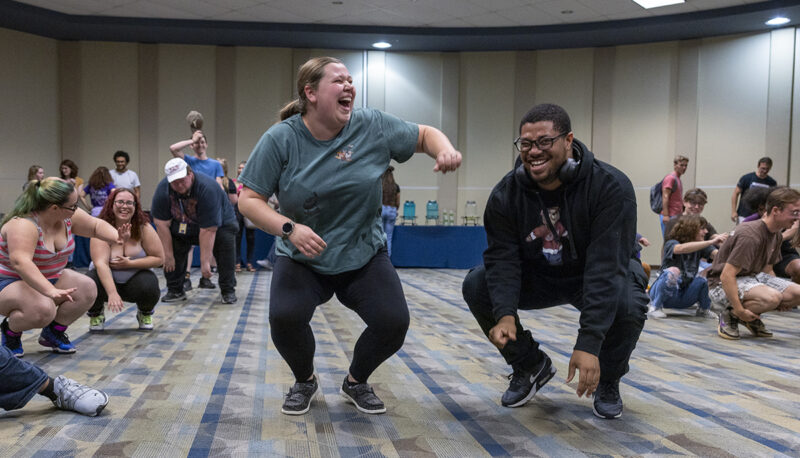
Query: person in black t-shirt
[{"x": 758, "y": 178}]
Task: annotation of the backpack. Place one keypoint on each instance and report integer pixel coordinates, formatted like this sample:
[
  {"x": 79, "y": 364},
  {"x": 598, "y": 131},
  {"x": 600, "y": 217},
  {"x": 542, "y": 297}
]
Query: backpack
[{"x": 656, "y": 203}]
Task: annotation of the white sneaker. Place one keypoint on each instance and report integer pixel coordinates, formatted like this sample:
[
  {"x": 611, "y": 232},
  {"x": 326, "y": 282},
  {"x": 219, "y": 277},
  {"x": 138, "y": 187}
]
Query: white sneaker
[
  {"x": 79, "y": 398},
  {"x": 265, "y": 264},
  {"x": 706, "y": 314},
  {"x": 656, "y": 313}
]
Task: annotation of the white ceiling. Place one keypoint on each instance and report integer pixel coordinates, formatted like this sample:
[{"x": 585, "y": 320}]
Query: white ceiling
[{"x": 399, "y": 13}]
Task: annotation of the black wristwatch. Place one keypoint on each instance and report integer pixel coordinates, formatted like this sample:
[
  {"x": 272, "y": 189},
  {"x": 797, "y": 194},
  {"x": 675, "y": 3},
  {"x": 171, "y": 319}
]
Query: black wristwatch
[{"x": 287, "y": 229}]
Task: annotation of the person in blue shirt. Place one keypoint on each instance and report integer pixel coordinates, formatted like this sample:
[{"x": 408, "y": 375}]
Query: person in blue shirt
[
  {"x": 325, "y": 161},
  {"x": 200, "y": 162}
]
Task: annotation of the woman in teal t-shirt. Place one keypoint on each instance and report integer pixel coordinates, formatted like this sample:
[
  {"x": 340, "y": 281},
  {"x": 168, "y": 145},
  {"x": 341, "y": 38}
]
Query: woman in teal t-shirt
[{"x": 325, "y": 160}]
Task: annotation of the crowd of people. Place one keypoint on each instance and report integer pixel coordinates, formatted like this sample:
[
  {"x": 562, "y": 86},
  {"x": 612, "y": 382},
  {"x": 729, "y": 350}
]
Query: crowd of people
[
  {"x": 553, "y": 238},
  {"x": 734, "y": 276}
]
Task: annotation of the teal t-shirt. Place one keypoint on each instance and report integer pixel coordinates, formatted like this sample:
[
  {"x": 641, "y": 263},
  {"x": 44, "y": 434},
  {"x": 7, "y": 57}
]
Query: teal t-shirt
[{"x": 332, "y": 186}]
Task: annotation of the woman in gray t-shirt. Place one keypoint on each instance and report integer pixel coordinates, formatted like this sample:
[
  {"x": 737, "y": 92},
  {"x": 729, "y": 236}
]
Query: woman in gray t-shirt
[{"x": 325, "y": 161}]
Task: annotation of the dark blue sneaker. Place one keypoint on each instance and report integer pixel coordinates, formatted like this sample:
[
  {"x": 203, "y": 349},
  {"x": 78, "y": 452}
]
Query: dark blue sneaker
[
  {"x": 55, "y": 337},
  {"x": 524, "y": 385},
  {"x": 11, "y": 340},
  {"x": 607, "y": 401}
]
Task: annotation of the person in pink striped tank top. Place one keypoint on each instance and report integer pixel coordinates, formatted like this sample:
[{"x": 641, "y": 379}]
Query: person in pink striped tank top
[{"x": 36, "y": 290}]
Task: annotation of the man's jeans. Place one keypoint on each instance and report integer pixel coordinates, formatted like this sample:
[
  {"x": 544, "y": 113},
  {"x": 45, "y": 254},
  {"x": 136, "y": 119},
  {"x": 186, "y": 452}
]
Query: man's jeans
[
  {"x": 667, "y": 292},
  {"x": 224, "y": 251},
  {"x": 536, "y": 293},
  {"x": 21, "y": 380}
]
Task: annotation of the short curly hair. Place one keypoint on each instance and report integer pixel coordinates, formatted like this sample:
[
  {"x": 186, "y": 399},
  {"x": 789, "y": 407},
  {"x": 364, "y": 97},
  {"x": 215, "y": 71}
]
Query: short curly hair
[{"x": 687, "y": 228}]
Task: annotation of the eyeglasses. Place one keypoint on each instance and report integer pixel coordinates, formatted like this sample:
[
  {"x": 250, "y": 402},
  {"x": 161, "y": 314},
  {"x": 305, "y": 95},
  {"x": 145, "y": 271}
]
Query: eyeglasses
[
  {"x": 128, "y": 203},
  {"x": 71, "y": 208},
  {"x": 544, "y": 143}
]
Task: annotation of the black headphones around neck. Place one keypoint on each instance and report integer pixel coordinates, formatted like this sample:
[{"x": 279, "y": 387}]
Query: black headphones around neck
[{"x": 566, "y": 174}]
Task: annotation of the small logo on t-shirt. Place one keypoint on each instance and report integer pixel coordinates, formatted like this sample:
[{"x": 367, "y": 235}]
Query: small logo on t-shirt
[{"x": 346, "y": 154}]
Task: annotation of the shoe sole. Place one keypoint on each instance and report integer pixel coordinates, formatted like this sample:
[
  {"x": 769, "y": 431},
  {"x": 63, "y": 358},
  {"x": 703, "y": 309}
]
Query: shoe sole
[
  {"x": 58, "y": 350},
  {"x": 605, "y": 417},
  {"x": 538, "y": 386},
  {"x": 176, "y": 299},
  {"x": 726, "y": 336},
  {"x": 308, "y": 407},
  {"x": 361, "y": 409}
]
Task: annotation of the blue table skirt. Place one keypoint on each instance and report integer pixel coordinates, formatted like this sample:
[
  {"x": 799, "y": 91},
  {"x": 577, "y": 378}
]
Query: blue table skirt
[
  {"x": 451, "y": 247},
  {"x": 263, "y": 243}
]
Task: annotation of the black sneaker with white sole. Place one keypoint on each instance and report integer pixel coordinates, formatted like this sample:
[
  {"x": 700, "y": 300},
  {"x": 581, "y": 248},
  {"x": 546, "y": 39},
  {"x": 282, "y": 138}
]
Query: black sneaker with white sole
[
  {"x": 298, "y": 399},
  {"x": 525, "y": 384},
  {"x": 362, "y": 396},
  {"x": 607, "y": 401}
]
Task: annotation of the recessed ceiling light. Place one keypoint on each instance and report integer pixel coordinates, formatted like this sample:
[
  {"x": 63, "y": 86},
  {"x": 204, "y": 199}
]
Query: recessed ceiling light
[
  {"x": 381, "y": 45},
  {"x": 647, "y": 4},
  {"x": 778, "y": 21},
  {"x": 337, "y": 3},
  {"x": 567, "y": 12}
]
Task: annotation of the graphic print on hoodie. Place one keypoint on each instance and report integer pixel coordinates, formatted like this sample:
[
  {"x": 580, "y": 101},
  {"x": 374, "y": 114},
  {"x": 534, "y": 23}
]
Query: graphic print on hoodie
[{"x": 550, "y": 234}]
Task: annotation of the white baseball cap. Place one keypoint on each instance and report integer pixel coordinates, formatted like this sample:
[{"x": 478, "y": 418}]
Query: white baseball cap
[{"x": 175, "y": 169}]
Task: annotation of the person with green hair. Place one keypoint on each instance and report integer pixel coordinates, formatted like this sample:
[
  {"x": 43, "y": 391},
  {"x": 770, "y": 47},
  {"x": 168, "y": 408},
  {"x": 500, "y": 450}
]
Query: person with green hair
[{"x": 36, "y": 290}]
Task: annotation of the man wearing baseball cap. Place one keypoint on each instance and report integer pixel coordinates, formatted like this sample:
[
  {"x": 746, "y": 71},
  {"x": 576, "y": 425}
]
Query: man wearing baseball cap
[{"x": 190, "y": 209}]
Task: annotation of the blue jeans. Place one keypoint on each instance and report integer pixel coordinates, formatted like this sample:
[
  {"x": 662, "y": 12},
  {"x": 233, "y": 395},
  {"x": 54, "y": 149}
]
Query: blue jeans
[
  {"x": 389, "y": 216},
  {"x": 667, "y": 292},
  {"x": 21, "y": 380}
]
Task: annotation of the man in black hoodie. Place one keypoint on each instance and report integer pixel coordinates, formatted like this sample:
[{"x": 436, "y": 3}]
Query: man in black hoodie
[{"x": 560, "y": 229}]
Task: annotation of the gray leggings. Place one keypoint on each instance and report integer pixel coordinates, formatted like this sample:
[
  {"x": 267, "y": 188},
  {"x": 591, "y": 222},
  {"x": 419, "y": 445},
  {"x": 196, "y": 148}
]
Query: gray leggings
[{"x": 141, "y": 289}]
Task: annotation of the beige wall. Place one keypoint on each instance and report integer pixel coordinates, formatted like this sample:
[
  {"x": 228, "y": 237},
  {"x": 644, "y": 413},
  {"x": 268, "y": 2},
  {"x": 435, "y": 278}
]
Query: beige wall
[
  {"x": 29, "y": 116},
  {"x": 723, "y": 102}
]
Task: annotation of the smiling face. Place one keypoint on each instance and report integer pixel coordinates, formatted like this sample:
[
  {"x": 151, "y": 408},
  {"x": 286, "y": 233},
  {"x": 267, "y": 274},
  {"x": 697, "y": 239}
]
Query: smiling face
[
  {"x": 763, "y": 170},
  {"x": 787, "y": 216},
  {"x": 40, "y": 174},
  {"x": 66, "y": 172},
  {"x": 701, "y": 234},
  {"x": 543, "y": 165},
  {"x": 333, "y": 98},
  {"x": 120, "y": 163},
  {"x": 124, "y": 206},
  {"x": 693, "y": 208},
  {"x": 200, "y": 146}
]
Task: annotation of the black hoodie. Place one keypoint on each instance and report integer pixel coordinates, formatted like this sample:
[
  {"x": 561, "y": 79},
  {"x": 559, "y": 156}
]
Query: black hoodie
[{"x": 593, "y": 243}]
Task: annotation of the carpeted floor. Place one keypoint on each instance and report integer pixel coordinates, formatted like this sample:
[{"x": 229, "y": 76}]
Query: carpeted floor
[{"x": 208, "y": 381}]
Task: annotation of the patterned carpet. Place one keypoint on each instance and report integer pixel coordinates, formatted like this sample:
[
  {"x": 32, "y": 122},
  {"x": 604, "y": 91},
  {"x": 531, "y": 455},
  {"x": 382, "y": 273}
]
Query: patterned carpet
[{"x": 208, "y": 382}]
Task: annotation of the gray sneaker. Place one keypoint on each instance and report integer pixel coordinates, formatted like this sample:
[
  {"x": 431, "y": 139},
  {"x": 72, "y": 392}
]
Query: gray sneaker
[
  {"x": 79, "y": 398},
  {"x": 298, "y": 399},
  {"x": 728, "y": 325},
  {"x": 362, "y": 396}
]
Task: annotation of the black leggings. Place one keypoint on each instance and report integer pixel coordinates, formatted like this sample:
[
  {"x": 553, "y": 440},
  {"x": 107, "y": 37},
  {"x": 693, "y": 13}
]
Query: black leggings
[
  {"x": 373, "y": 292},
  {"x": 250, "y": 238},
  {"x": 141, "y": 289}
]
